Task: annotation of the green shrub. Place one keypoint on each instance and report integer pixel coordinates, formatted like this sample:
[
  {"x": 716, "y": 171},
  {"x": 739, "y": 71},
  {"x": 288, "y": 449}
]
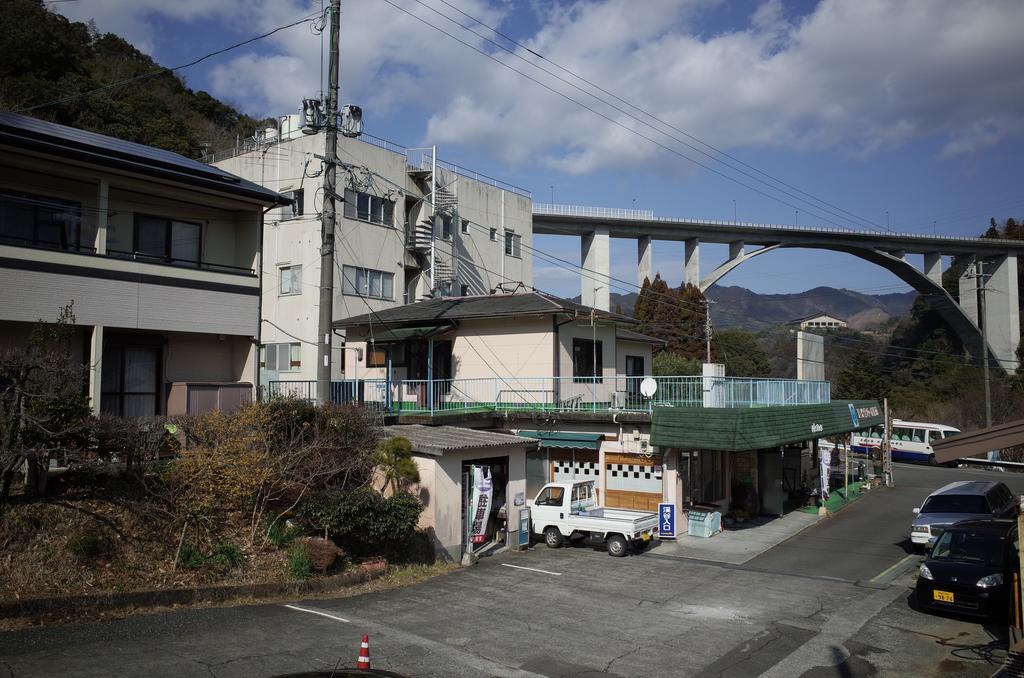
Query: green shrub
[
  {"x": 226, "y": 556},
  {"x": 190, "y": 557},
  {"x": 88, "y": 544},
  {"x": 300, "y": 565},
  {"x": 280, "y": 534},
  {"x": 363, "y": 522}
]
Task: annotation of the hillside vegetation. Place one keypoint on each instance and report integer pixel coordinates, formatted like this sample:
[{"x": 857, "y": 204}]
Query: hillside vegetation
[{"x": 46, "y": 58}]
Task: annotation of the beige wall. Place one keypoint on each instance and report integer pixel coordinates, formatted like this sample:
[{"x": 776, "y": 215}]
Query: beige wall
[
  {"x": 628, "y": 348},
  {"x": 54, "y": 278},
  {"x": 443, "y": 505},
  {"x": 479, "y": 263}
]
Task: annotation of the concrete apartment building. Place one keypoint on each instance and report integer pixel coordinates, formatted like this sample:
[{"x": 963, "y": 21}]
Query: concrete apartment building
[
  {"x": 159, "y": 255},
  {"x": 411, "y": 227}
]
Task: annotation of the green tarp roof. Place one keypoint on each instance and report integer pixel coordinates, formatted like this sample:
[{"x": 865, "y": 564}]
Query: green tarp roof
[
  {"x": 565, "y": 439},
  {"x": 738, "y": 429}
]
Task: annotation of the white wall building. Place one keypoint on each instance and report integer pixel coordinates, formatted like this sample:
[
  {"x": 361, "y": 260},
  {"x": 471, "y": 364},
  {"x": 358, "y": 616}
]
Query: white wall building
[
  {"x": 820, "y": 321},
  {"x": 411, "y": 227}
]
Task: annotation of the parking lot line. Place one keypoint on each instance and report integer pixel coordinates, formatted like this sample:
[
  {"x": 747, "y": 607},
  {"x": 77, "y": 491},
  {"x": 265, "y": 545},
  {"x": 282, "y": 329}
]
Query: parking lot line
[
  {"x": 891, "y": 568},
  {"x": 322, "y": 614},
  {"x": 533, "y": 569}
]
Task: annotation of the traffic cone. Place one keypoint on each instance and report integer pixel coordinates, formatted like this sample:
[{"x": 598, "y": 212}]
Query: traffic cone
[{"x": 364, "y": 653}]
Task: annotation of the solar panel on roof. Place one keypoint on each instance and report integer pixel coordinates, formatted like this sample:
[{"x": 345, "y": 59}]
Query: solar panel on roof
[{"x": 107, "y": 144}]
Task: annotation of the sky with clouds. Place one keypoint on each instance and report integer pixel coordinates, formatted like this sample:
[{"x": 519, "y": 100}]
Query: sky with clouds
[{"x": 905, "y": 114}]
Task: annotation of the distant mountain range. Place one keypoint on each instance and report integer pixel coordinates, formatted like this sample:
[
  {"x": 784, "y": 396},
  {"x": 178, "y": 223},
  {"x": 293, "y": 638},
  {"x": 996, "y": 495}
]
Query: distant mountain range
[{"x": 739, "y": 307}]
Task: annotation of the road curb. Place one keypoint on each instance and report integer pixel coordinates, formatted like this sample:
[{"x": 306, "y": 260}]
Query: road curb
[{"x": 363, "y": 572}]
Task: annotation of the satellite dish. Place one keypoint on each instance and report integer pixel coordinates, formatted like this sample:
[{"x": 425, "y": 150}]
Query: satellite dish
[{"x": 648, "y": 387}]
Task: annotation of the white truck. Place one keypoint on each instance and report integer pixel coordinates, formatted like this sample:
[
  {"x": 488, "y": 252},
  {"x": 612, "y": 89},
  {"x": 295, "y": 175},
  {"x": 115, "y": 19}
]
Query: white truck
[{"x": 569, "y": 511}]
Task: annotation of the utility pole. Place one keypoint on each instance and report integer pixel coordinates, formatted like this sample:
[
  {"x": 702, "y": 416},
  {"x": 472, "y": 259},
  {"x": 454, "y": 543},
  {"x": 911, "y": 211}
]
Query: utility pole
[
  {"x": 323, "y": 368},
  {"x": 979, "y": 272},
  {"x": 707, "y": 326}
]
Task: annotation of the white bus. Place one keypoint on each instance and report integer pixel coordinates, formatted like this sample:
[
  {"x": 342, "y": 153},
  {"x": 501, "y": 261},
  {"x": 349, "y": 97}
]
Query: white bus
[{"x": 911, "y": 440}]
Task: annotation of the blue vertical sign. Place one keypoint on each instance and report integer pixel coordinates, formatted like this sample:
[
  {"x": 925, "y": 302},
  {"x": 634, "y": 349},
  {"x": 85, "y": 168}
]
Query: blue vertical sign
[{"x": 667, "y": 521}]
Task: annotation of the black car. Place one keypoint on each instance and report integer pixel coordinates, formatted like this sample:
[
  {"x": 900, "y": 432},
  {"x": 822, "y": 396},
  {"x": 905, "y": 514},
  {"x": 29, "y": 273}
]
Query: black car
[{"x": 971, "y": 569}]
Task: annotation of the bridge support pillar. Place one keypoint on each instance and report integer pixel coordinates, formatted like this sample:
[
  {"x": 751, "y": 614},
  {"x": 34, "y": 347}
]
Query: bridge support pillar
[
  {"x": 968, "y": 286},
  {"x": 691, "y": 262},
  {"x": 1002, "y": 309},
  {"x": 644, "y": 257},
  {"x": 596, "y": 258},
  {"x": 735, "y": 250},
  {"x": 933, "y": 267}
]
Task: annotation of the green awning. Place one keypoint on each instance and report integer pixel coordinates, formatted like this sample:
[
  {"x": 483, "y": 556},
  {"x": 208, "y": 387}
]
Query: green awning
[
  {"x": 738, "y": 429},
  {"x": 565, "y": 439},
  {"x": 404, "y": 333}
]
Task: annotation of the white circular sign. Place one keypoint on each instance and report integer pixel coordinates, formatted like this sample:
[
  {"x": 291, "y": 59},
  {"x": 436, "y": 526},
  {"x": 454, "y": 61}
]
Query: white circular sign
[{"x": 648, "y": 387}]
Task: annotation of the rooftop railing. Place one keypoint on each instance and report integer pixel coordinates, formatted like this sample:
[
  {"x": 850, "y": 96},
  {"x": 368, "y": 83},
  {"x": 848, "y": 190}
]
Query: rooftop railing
[{"x": 560, "y": 394}]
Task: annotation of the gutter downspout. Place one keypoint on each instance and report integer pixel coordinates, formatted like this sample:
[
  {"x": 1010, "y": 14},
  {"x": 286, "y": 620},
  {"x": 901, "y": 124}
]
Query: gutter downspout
[
  {"x": 258, "y": 339},
  {"x": 556, "y": 354}
]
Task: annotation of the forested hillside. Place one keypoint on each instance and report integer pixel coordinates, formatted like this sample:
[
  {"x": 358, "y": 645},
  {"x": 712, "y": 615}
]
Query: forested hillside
[{"x": 45, "y": 58}]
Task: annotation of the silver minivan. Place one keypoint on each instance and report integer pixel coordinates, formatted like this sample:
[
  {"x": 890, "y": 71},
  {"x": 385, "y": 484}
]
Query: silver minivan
[{"x": 962, "y": 500}]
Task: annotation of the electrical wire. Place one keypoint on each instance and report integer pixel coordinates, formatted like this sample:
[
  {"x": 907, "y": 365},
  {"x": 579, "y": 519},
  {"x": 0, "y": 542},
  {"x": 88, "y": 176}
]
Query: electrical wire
[
  {"x": 638, "y": 119},
  {"x": 160, "y": 71},
  {"x": 613, "y": 121}
]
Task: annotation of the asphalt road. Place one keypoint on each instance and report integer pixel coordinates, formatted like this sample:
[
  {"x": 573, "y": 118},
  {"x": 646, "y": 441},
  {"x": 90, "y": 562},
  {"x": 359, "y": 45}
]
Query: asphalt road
[
  {"x": 575, "y": 613},
  {"x": 862, "y": 540}
]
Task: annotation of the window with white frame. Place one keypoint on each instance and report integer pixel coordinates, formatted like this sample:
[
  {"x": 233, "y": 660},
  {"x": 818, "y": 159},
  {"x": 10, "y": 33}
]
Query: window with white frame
[
  {"x": 465, "y": 227},
  {"x": 366, "y": 282},
  {"x": 281, "y": 357},
  {"x": 367, "y": 207},
  {"x": 494, "y": 235},
  {"x": 294, "y": 210},
  {"x": 291, "y": 279},
  {"x": 513, "y": 244}
]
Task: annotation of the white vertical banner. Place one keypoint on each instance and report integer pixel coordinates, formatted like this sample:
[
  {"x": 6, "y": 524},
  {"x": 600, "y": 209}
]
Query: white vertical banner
[
  {"x": 480, "y": 505},
  {"x": 826, "y": 463}
]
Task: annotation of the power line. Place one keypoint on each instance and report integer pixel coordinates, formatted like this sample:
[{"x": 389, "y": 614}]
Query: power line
[
  {"x": 612, "y": 120},
  {"x": 646, "y": 113},
  {"x": 160, "y": 71}
]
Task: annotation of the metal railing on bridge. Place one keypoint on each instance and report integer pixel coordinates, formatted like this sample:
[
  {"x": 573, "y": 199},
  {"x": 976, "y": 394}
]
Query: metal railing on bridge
[{"x": 559, "y": 394}]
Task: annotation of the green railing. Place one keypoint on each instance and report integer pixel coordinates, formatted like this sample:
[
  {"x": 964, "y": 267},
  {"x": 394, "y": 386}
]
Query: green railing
[{"x": 561, "y": 394}]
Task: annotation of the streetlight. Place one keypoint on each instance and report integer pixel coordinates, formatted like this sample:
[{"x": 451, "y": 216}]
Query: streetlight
[
  {"x": 734, "y": 211},
  {"x": 552, "y": 194},
  {"x": 934, "y": 227},
  {"x": 887, "y": 220},
  {"x": 796, "y": 216}
]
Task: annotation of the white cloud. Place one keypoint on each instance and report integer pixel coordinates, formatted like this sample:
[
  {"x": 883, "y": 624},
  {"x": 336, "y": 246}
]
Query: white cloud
[{"x": 860, "y": 76}]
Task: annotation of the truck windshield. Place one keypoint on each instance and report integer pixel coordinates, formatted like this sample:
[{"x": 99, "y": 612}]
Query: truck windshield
[
  {"x": 550, "y": 496},
  {"x": 955, "y": 503}
]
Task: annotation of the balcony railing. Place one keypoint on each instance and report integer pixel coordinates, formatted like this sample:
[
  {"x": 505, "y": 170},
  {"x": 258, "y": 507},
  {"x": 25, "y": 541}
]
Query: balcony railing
[{"x": 560, "y": 394}]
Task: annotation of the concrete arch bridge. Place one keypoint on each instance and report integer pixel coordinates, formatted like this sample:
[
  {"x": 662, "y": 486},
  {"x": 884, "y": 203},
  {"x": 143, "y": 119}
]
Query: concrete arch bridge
[{"x": 596, "y": 226}]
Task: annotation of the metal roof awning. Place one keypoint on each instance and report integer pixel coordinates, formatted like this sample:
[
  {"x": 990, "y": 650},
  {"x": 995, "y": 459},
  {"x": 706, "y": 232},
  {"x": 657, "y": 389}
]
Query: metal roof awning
[
  {"x": 974, "y": 443},
  {"x": 758, "y": 428},
  {"x": 405, "y": 333},
  {"x": 568, "y": 440}
]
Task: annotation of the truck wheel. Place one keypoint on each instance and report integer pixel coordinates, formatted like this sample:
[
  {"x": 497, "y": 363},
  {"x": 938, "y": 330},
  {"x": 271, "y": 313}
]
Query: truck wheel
[
  {"x": 617, "y": 546},
  {"x": 639, "y": 545},
  {"x": 553, "y": 538}
]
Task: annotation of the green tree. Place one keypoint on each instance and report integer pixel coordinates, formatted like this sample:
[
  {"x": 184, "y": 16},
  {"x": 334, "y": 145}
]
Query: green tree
[
  {"x": 45, "y": 58},
  {"x": 393, "y": 458},
  {"x": 742, "y": 355},
  {"x": 861, "y": 379},
  {"x": 674, "y": 315},
  {"x": 668, "y": 364}
]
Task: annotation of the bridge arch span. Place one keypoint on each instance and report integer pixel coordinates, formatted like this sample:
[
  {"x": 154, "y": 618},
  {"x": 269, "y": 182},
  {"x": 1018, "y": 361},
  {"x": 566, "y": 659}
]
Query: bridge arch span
[{"x": 935, "y": 294}]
